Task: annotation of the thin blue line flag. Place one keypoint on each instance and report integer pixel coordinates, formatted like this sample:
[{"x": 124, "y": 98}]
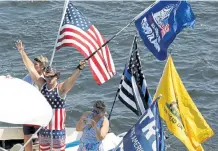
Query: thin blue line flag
[
  {"x": 159, "y": 25},
  {"x": 147, "y": 133},
  {"x": 133, "y": 91}
]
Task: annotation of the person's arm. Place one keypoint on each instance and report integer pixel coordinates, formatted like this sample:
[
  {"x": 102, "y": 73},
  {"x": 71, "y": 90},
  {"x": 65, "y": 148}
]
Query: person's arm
[
  {"x": 81, "y": 123},
  {"x": 29, "y": 65},
  {"x": 102, "y": 132},
  {"x": 67, "y": 85}
]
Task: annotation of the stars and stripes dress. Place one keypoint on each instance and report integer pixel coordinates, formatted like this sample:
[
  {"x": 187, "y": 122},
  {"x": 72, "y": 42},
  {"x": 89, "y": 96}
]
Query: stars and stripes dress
[{"x": 56, "y": 125}]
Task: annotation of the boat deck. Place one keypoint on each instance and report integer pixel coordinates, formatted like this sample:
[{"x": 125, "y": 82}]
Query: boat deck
[
  {"x": 13, "y": 135},
  {"x": 9, "y": 136}
]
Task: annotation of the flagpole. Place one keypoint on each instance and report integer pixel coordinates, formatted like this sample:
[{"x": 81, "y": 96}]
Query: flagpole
[
  {"x": 135, "y": 18},
  {"x": 121, "y": 80},
  {"x": 113, "y": 105},
  {"x": 63, "y": 14}
]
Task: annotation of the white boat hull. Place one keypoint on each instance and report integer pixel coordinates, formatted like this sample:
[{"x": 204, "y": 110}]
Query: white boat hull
[{"x": 14, "y": 134}]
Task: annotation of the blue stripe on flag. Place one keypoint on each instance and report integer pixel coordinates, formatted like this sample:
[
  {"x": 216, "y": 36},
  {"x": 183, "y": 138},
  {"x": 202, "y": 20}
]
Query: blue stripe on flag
[{"x": 127, "y": 74}]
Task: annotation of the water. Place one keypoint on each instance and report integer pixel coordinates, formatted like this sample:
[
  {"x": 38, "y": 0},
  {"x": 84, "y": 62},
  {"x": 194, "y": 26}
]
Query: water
[{"x": 193, "y": 51}]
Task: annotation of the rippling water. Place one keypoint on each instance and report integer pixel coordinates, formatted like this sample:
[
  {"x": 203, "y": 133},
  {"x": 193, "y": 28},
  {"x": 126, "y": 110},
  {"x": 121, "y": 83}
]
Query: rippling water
[{"x": 194, "y": 52}]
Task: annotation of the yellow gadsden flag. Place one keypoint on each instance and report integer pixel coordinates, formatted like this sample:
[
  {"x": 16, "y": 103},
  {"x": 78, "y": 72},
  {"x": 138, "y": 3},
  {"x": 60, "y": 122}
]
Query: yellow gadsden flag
[{"x": 177, "y": 109}]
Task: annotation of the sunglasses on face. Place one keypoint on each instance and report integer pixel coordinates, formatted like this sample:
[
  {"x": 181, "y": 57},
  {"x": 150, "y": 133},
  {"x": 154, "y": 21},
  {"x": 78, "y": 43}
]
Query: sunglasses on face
[
  {"x": 36, "y": 59},
  {"x": 95, "y": 111},
  {"x": 50, "y": 77},
  {"x": 37, "y": 63}
]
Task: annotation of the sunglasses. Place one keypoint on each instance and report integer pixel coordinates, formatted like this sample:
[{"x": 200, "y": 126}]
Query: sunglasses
[
  {"x": 36, "y": 59},
  {"x": 95, "y": 111},
  {"x": 50, "y": 77}
]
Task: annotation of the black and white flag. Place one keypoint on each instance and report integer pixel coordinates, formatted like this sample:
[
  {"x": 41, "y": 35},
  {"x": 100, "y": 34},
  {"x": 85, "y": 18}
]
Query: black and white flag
[{"x": 133, "y": 87}]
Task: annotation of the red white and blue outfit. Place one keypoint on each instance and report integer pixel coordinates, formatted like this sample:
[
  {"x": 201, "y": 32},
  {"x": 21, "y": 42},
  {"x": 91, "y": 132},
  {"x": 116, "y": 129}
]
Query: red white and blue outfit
[{"x": 56, "y": 125}]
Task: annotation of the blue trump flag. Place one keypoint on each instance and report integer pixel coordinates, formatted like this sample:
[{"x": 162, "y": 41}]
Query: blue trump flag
[
  {"x": 147, "y": 133},
  {"x": 160, "y": 24}
]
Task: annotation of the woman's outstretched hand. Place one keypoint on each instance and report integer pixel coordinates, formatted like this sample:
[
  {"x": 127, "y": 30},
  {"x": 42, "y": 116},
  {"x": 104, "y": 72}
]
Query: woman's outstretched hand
[{"x": 19, "y": 45}]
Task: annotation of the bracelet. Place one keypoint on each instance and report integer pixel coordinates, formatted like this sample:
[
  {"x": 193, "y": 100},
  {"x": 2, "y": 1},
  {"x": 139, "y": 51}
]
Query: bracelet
[{"x": 78, "y": 67}]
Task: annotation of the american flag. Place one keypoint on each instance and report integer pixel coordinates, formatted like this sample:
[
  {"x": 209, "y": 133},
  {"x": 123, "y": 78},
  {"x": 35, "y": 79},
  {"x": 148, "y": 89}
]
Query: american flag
[
  {"x": 133, "y": 90},
  {"x": 78, "y": 32}
]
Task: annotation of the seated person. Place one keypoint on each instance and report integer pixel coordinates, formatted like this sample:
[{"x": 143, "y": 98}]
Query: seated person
[{"x": 95, "y": 127}]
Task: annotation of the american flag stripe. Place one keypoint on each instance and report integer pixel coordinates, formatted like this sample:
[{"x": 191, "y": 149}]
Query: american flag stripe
[
  {"x": 100, "y": 41},
  {"x": 47, "y": 148},
  {"x": 57, "y": 122},
  {"x": 61, "y": 120},
  {"x": 80, "y": 47},
  {"x": 94, "y": 69},
  {"x": 54, "y": 119},
  {"x": 74, "y": 33},
  {"x": 86, "y": 47},
  {"x": 100, "y": 77},
  {"x": 105, "y": 53},
  {"x": 62, "y": 148},
  {"x": 78, "y": 32},
  {"x": 93, "y": 33},
  {"x": 73, "y": 30},
  {"x": 44, "y": 147}
]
